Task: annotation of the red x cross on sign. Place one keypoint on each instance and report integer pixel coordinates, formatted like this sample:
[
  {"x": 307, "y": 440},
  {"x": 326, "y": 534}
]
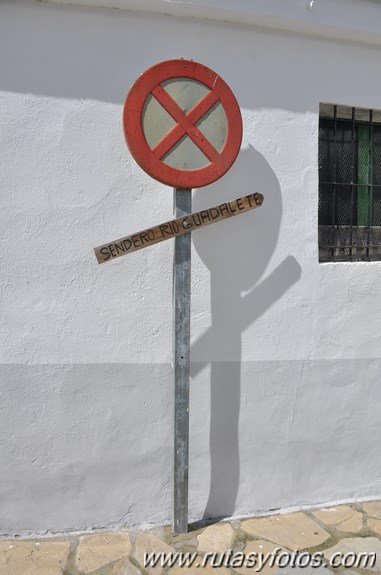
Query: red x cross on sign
[{"x": 182, "y": 124}]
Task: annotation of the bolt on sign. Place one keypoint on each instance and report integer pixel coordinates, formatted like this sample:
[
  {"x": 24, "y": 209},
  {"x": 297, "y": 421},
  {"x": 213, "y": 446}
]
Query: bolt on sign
[{"x": 183, "y": 126}]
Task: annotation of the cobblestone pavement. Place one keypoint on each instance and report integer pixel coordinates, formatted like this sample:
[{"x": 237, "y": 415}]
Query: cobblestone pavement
[{"x": 339, "y": 532}]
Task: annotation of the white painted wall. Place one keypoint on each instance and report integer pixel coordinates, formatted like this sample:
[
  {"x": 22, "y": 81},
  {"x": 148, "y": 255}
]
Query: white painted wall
[
  {"x": 285, "y": 395},
  {"x": 354, "y": 20}
]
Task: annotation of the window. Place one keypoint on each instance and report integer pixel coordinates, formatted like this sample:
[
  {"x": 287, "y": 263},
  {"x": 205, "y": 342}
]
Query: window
[{"x": 349, "y": 184}]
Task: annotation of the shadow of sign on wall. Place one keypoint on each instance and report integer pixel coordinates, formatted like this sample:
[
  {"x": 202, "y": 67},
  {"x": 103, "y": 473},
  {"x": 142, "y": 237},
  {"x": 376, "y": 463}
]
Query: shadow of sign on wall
[{"x": 221, "y": 344}]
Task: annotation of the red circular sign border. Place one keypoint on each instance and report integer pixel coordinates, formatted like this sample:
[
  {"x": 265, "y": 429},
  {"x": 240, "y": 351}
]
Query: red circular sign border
[{"x": 136, "y": 141}]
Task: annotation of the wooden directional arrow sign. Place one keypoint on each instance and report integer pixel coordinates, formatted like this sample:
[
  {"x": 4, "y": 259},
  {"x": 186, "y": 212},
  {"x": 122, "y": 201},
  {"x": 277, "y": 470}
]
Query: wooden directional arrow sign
[{"x": 177, "y": 227}]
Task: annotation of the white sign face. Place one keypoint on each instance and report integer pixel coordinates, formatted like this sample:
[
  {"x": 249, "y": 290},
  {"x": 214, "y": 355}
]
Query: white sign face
[{"x": 157, "y": 123}]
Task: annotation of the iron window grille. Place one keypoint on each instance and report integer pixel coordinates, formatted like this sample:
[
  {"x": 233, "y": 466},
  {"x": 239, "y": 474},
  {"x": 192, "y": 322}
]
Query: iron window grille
[{"x": 349, "y": 184}]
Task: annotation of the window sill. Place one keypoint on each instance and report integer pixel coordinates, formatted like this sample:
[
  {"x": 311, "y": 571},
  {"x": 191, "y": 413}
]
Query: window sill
[{"x": 346, "y": 244}]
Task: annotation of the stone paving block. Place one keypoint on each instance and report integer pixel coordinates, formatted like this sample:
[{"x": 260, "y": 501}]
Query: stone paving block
[
  {"x": 357, "y": 545},
  {"x": 179, "y": 544},
  {"x": 216, "y": 538},
  {"x": 280, "y": 565},
  {"x": 343, "y": 518},
  {"x": 375, "y": 525},
  {"x": 97, "y": 550},
  {"x": 295, "y": 531},
  {"x": 208, "y": 570},
  {"x": 31, "y": 558},
  {"x": 259, "y": 547},
  {"x": 305, "y": 571},
  {"x": 266, "y": 549},
  {"x": 147, "y": 543},
  {"x": 124, "y": 567},
  {"x": 372, "y": 508}
]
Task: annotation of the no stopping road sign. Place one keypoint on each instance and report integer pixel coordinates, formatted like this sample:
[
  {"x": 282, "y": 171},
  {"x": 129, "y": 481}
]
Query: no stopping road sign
[{"x": 182, "y": 124}]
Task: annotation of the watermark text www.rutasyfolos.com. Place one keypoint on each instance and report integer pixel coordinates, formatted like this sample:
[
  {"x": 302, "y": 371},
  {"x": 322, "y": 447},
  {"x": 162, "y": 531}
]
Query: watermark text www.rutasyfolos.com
[{"x": 257, "y": 561}]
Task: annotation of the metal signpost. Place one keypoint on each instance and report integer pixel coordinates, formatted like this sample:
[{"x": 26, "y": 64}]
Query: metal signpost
[
  {"x": 181, "y": 363},
  {"x": 183, "y": 126}
]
